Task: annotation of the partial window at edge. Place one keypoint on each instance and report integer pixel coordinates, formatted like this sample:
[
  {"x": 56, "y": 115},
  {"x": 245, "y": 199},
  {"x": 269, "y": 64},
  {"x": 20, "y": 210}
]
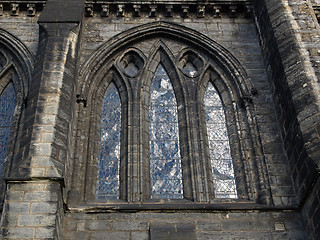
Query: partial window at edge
[
  {"x": 165, "y": 158},
  {"x": 109, "y": 147},
  {"x": 221, "y": 161},
  {"x": 7, "y": 106}
]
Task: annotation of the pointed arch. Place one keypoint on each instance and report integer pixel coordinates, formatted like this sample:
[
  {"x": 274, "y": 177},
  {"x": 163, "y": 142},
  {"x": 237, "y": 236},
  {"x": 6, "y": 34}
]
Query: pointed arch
[
  {"x": 246, "y": 146},
  {"x": 16, "y": 73},
  {"x": 162, "y": 55},
  {"x": 165, "y": 158},
  {"x": 217, "y": 65},
  {"x": 88, "y": 162},
  {"x": 108, "y": 178},
  {"x": 221, "y": 55},
  {"x": 219, "y": 145},
  {"x": 23, "y": 59}
]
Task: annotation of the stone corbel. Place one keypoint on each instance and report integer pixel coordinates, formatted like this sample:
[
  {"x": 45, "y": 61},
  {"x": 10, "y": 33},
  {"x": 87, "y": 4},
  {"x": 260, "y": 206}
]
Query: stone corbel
[
  {"x": 81, "y": 99},
  {"x": 120, "y": 12},
  {"x": 169, "y": 10},
  {"x": 153, "y": 11},
  {"x": 1, "y": 9},
  {"x": 31, "y": 10},
  {"x": 201, "y": 11},
  {"x": 14, "y": 9},
  {"x": 217, "y": 11},
  {"x": 136, "y": 10},
  {"x": 184, "y": 11},
  {"x": 89, "y": 10},
  {"x": 105, "y": 11},
  {"x": 233, "y": 11}
]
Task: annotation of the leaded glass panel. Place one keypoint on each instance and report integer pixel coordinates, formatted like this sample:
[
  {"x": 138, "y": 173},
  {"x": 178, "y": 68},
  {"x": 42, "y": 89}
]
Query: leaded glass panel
[
  {"x": 221, "y": 161},
  {"x": 165, "y": 158},
  {"x": 7, "y": 106},
  {"x": 109, "y": 147}
]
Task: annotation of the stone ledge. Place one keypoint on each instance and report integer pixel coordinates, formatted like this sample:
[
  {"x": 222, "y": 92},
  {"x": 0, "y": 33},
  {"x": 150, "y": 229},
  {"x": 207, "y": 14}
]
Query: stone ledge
[{"x": 236, "y": 205}]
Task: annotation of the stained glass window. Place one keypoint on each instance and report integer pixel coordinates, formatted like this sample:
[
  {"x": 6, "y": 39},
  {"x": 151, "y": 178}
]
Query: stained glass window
[
  {"x": 7, "y": 106},
  {"x": 165, "y": 159},
  {"x": 221, "y": 161},
  {"x": 109, "y": 147}
]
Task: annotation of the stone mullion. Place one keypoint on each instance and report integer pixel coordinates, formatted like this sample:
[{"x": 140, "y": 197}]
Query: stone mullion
[
  {"x": 200, "y": 174},
  {"x": 134, "y": 166}
]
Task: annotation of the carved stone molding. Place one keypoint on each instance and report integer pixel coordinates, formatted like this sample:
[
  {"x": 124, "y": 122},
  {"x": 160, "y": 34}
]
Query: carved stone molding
[
  {"x": 20, "y": 8},
  {"x": 241, "y": 8},
  {"x": 14, "y": 9}
]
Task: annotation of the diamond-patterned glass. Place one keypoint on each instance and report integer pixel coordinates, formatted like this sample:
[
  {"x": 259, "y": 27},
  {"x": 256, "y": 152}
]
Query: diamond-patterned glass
[
  {"x": 7, "y": 106},
  {"x": 221, "y": 161},
  {"x": 109, "y": 147},
  {"x": 165, "y": 158}
]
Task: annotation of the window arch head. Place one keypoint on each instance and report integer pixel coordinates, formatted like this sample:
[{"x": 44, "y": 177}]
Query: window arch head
[
  {"x": 108, "y": 181},
  {"x": 219, "y": 146}
]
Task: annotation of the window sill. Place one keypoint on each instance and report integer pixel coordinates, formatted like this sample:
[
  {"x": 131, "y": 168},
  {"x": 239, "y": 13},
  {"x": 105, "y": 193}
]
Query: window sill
[{"x": 175, "y": 205}]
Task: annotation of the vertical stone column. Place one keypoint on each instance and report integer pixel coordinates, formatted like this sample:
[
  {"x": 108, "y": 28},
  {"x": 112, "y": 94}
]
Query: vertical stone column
[
  {"x": 33, "y": 203},
  {"x": 289, "y": 36}
]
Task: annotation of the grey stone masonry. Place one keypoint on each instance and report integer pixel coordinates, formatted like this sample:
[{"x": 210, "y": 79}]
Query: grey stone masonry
[
  {"x": 185, "y": 225},
  {"x": 32, "y": 210},
  {"x": 289, "y": 34},
  {"x": 261, "y": 56}
]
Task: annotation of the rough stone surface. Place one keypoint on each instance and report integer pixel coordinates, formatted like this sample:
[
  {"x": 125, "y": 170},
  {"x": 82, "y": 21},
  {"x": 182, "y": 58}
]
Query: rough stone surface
[{"x": 261, "y": 55}]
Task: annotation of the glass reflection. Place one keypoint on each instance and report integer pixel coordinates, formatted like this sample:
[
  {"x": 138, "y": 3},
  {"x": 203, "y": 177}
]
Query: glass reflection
[
  {"x": 165, "y": 159},
  {"x": 7, "y": 106},
  {"x": 109, "y": 147},
  {"x": 221, "y": 161}
]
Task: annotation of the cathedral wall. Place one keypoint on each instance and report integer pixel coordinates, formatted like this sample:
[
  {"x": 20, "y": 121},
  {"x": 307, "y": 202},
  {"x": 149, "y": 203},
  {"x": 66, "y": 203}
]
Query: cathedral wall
[
  {"x": 23, "y": 27},
  {"x": 185, "y": 225},
  {"x": 277, "y": 45}
]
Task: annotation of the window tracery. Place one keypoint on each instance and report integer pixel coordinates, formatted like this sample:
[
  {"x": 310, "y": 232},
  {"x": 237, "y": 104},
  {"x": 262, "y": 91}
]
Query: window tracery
[{"x": 230, "y": 80}]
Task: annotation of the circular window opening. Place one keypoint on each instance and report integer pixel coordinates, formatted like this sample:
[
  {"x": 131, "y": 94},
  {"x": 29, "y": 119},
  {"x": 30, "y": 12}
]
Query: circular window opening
[
  {"x": 131, "y": 64},
  {"x": 190, "y": 64}
]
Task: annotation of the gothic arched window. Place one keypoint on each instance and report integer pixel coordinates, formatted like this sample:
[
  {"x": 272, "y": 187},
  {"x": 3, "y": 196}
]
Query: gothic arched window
[
  {"x": 7, "y": 107},
  {"x": 109, "y": 147},
  {"x": 169, "y": 127},
  {"x": 219, "y": 146},
  {"x": 165, "y": 158}
]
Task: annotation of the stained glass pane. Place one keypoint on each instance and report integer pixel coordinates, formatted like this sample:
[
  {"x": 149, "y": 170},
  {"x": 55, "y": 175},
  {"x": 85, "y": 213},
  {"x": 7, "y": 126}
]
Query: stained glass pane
[
  {"x": 221, "y": 161},
  {"x": 109, "y": 147},
  {"x": 165, "y": 158},
  {"x": 7, "y": 106},
  {"x": 190, "y": 69}
]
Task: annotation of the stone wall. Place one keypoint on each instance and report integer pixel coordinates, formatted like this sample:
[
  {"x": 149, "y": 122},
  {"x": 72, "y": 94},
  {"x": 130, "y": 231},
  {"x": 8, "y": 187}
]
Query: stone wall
[
  {"x": 185, "y": 225},
  {"x": 273, "y": 47}
]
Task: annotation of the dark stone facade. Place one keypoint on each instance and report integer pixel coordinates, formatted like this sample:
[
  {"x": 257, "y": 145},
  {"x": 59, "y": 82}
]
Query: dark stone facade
[{"x": 261, "y": 55}]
